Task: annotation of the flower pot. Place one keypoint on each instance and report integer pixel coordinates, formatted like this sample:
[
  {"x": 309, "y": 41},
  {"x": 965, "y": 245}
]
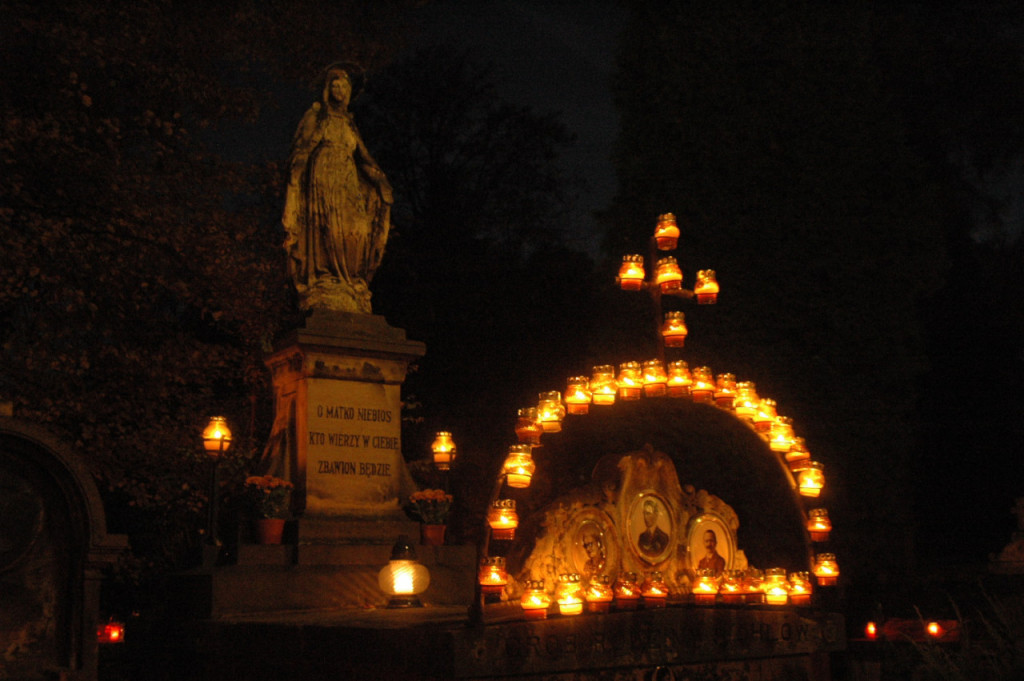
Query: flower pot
[
  {"x": 269, "y": 530},
  {"x": 432, "y": 535}
]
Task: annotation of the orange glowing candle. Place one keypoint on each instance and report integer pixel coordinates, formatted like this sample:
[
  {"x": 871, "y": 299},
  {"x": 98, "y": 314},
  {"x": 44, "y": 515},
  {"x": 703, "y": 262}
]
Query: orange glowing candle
[
  {"x": 753, "y": 579},
  {"x": 800, "y": 588},
  {"x": 528, "y": 428},
  {"x": 535, "y": 601},
  {"x": 654, "y": 591},
  {"x": 746, "y": 401},
  {"x": 705, "y": 588},
  {"x": 765, "y": 415},
  {"x": 703, "y": 388},
  {"x": 818, "y": 524},
  {"x": 668, "y": 276},
  {"x": 780, "y": 438},
  {"x": 826, "y": 569},
  {"x": 775, "y": 586},
  {"x": 655, "y": 378},
  {"x": 503, "y": 519},
  {"x": 578, "y": 395},
  {"x": 600, "y": 594},
  {"x": 492, "y": 575},
  {"x": 550, "y": 411},
  {"x": 666, "y": 233},
  {"x": 706, "y": 287},
  {"x": 603, "y": 384},
  {"x": 731, "y": 588},
  {"x": 519, "y": 466},
  {"x": 627, "y": 591},
  {"x": 674, "y": 330},
  {"x": 797, "y": 457},
  {"x": 443, "y": 448},
  {"x": 631, "y": 273},
  {"x": 679, "y": 379},
  {"x": 812, "y": 479},
  {"x": 725, "y": 390},
  {"x": 630, "y": 381},
  {"x": 569, "y": 594}
]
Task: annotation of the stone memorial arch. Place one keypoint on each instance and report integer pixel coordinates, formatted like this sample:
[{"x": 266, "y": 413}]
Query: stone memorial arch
[{"x": 54, "y": 547}]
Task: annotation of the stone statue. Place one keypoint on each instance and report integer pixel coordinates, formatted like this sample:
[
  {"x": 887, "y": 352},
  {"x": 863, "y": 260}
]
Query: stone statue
[{"x": 337, "y": 210}]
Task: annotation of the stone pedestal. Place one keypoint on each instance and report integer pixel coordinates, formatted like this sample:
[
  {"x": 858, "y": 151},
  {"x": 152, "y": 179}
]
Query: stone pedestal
[{"x": 337, "y": 427}]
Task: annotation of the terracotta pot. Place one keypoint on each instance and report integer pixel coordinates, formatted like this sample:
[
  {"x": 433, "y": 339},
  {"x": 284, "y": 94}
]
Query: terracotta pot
[
  {"x": 432, "y": 535},
  {"x": 269, "y": 530}
]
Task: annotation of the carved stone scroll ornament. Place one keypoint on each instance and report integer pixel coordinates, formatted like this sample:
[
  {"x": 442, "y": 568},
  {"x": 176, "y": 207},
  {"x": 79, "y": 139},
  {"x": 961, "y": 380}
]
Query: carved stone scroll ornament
[{"x": 337, "y": 211}]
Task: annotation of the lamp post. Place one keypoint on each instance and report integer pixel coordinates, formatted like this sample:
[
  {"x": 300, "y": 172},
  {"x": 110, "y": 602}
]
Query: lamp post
[{"x": 216, "y": 441}]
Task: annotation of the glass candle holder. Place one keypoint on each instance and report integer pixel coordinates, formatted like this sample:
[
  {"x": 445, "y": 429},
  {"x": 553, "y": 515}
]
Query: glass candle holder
[
  {"x": 519, "y": 466},
  {"x": 603, "y": 384},
  {"x": 674, "y": 330},
  {"x": 443, "y": 448},
  {"x": 503, "y": 519},
  {"x": 725, "y": 390},
  {"x": 528, "y": 428},
  {"x": 569, "y": 594},
  {"x": 765, "y": 415},
  {"x": 798, "y": 457},
  {"x": 705, "y": 587},
  {"x": 753, "y": 594},
  {"x": 627, "y": 592},
  {"x": 666, "y": 233},
  {"x": 492, "y": 575},
  {"x": 800, "y": 588},
  {"x": 550, "y": 411},
  {"x": 631, "y": 273},
  {"x": 600, "y": 594},
  {"x": 812, "y": 479},
  {"x": 535, "y": 600},
  {"x": 668, "y": 276},
  {"x": 578, "y": 395},
  {"x": 654, "y": 591},
  {"x": 730, "y": 590},
  {"x": 655, "y": 378},
  {"x": 630, "y": 381},
  {"x": 818, "y": 524},
  {"x": 775, "y": 586},
  {"x": 706, "y": 287},
  {"x": 703, "y": 388},
  {"x": 746, "y": 401},
  {"x": 826, "y": 569},
  {"x": 780, "y": 437},
  {"x": 679, "y": 379}
]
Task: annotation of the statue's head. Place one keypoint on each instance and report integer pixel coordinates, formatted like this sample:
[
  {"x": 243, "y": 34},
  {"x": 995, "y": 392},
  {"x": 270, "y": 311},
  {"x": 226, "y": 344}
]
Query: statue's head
[{"x": 344, "y": 72}]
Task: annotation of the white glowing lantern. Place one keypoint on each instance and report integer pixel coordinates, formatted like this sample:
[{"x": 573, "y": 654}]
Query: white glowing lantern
[{"x": 403, "y": 579}]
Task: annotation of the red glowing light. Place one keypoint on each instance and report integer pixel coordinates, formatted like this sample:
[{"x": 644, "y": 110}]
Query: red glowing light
[{"x": 871, "y": 630}]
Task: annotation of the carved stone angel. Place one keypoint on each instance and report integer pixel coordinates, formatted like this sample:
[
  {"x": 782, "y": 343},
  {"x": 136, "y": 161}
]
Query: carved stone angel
[{"x": 337, "y": 210}]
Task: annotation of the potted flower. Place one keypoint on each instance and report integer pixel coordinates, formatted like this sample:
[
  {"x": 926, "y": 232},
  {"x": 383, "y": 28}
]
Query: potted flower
[
  {"x": 431, "y": 506},
  {"x": 269, "y": 497}
]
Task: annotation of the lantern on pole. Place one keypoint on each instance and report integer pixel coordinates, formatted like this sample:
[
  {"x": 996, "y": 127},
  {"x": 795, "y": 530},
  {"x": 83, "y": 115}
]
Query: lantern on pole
[{"x": 443, "y": 448}]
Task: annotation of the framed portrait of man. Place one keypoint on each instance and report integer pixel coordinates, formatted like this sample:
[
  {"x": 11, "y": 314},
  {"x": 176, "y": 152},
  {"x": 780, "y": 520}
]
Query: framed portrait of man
[
  {"x": 650, "y": 527},
  {"x": 710, "y": 543}
]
